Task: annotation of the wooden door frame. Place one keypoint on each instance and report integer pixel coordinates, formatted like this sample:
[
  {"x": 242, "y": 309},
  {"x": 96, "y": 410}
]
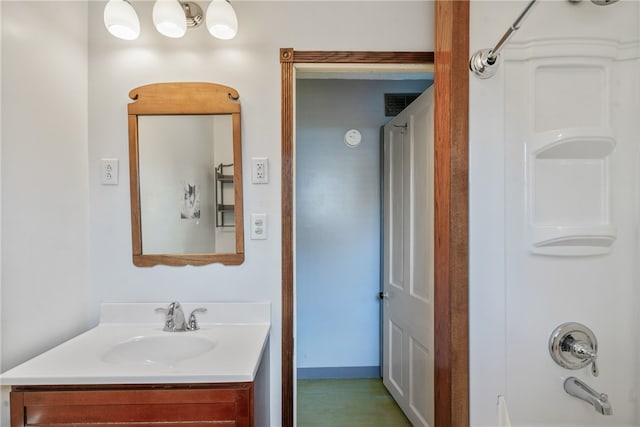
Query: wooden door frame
[{"x": 451, "y": 91}]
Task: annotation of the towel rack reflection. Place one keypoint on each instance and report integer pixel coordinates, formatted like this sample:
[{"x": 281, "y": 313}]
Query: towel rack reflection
[{"x": 224, "y": 184}]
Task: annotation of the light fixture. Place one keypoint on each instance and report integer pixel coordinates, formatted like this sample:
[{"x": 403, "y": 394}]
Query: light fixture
[
  {"x": 121, "y": 20},
  {"x": 169, "y": 18},
  {"x": 172, "y": 18},
  {"x": 222, "y": 21}
]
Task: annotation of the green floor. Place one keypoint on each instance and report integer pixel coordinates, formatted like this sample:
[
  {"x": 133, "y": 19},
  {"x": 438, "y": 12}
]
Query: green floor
[{"x": 347, "y": 403}]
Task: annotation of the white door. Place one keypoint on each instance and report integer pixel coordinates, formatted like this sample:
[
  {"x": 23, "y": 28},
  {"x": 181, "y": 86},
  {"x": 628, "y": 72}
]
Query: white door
[{"x": 407, "y": 365}]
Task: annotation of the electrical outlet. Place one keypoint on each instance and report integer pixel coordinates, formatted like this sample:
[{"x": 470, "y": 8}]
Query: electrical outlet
[
  {"x": 258, "y": 226},
  {"x": 259, "y": 170},
  {"x": 109, "y": 171}
]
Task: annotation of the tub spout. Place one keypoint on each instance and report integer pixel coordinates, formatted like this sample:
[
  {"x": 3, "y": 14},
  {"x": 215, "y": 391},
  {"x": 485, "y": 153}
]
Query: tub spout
[{"x": 599, "y": 401}]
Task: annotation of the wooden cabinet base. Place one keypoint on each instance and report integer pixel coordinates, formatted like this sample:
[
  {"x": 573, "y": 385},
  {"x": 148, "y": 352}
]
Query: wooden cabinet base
[{"x": 170, "y": 405}]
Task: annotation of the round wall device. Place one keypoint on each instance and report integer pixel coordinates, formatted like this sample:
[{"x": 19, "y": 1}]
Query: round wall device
[{"x": 352, "y": 138}]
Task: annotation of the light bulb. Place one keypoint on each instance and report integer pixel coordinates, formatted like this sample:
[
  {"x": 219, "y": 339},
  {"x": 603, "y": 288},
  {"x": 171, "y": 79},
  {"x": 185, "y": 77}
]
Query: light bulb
[
  {"x": 169, "y": 18},
  {"x": 222, "y": 21},
  {"x": 121, "y": 20}
]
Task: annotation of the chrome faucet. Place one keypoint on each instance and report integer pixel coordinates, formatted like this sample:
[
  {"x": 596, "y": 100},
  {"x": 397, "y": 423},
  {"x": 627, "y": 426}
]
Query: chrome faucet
[
  {"x": 599, "y": 401},
  {"x": 175, "y": 320}
]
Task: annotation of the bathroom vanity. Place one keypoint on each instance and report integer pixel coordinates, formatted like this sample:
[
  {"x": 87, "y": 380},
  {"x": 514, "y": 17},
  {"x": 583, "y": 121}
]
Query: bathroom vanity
[{"x": 129, "y": 371}]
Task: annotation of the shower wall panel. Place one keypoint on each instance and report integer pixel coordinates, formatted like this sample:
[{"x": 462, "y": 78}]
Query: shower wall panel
[
  {"x": 584, "y": 272},
  {"x": 560, "y": 140}
]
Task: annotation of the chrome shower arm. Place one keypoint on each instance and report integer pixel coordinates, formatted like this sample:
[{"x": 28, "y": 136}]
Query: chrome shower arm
[
  {"x": 483, "y": 62},
  {"x": 493, "y": 53}
]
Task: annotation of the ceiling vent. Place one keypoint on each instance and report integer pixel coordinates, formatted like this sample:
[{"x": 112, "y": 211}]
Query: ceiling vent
[{"x": 394, "y": 103}]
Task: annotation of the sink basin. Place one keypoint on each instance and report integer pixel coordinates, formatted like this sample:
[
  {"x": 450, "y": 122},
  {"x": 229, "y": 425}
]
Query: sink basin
[{"x": 158, "y": 349}]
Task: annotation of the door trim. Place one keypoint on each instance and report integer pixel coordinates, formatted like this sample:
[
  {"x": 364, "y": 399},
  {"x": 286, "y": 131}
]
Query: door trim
[
  {"x": 451, "y": 86},
  {"x": 451, "y": 212}
]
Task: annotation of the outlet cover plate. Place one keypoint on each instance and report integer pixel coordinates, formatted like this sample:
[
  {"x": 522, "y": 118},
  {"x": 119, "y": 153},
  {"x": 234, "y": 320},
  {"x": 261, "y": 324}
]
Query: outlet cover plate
[
  {"x": 109, "y": 171},
  {"x": 259, "y": 170}
]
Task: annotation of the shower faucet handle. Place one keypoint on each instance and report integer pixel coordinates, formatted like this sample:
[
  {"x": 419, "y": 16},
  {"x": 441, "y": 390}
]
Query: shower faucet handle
[
  {"x": 584, "y": 351},
  {"x": 574, "y": 346}
]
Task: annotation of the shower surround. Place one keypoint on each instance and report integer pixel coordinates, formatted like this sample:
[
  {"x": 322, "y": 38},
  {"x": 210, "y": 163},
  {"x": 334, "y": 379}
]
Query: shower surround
[{"x": 554, "y": 146}]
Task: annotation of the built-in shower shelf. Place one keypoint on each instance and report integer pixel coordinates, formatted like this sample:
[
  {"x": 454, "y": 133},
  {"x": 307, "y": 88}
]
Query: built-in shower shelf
[
  {"x": 574, "y": 143},
  {"x": 574, "y": 241},
  {"x": 568, "y": 192}
]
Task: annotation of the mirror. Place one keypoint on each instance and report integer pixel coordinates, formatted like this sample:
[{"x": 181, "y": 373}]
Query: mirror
[{"x": 185, "y": 166}]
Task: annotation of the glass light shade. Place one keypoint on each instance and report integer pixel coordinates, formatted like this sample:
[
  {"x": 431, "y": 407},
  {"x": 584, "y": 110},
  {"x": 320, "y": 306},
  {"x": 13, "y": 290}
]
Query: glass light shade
[
  {"x": 222, "y": 21},
  {"x": 121, "y": 20},
  {"x": 169, "y": 18}
]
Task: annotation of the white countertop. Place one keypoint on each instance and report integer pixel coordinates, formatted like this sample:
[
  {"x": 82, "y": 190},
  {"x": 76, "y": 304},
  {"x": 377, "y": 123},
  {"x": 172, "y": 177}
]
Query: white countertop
[{"x": 238, "y": 333}]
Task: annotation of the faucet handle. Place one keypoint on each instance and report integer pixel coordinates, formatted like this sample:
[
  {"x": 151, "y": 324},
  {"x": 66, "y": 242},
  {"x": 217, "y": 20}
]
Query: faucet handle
[
  {"x": 584, "y": 350},
  {"x": 574, "y": 346},
  {"x": 193, "y": 321}
]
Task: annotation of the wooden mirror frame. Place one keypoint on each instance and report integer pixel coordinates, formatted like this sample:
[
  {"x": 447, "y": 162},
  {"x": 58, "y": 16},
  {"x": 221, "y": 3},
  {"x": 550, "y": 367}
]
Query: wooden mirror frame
[
  {"x": 451, "y": 87},
  {"x": 182, "y": 99}
]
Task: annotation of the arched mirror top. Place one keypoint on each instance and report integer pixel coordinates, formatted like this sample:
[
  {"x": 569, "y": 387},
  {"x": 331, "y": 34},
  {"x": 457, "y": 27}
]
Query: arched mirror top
[
  {"x": 186, "y": 174},
  {"x": 184, "y": 98}
]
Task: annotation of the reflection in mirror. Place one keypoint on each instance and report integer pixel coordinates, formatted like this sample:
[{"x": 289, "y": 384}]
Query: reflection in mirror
[
  {"x": 186, "y": 169},
  {"x": 179, "y": 186}
]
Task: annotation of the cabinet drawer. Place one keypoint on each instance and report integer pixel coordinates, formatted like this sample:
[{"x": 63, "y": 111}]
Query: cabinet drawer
[{"x": 231, "y": 405}]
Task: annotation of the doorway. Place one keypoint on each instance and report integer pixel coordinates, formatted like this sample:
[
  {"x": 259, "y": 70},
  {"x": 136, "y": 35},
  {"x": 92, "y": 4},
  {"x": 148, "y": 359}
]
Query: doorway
[
  {"x": 451, "y": 140},
  {"x": 394, "y": 64},
  {"x": 338, "y": 217},
  {"x": 338, "y": 244}
]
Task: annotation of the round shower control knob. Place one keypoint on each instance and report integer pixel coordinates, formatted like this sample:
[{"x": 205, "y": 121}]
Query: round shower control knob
[{"x": 573, "y": 346}]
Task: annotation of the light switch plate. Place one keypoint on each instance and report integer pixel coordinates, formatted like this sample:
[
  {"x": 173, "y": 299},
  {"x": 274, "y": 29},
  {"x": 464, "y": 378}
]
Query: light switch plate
[{"x": 258, "y": 226}]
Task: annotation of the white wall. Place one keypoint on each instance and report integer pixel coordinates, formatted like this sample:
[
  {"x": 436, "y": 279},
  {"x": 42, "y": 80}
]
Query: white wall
[
  {"x": 45, "y": 233},
  {"x": 250, "y": 64},
  {"x": 338, "y": 221},
  {"x": 45, "y": 201},
  {"x": 517, "y": 297}
]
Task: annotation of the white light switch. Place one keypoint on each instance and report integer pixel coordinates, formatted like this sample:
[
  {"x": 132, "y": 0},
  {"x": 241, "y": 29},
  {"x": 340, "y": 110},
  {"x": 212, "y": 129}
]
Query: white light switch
[{"x": 258, "y": 226}]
